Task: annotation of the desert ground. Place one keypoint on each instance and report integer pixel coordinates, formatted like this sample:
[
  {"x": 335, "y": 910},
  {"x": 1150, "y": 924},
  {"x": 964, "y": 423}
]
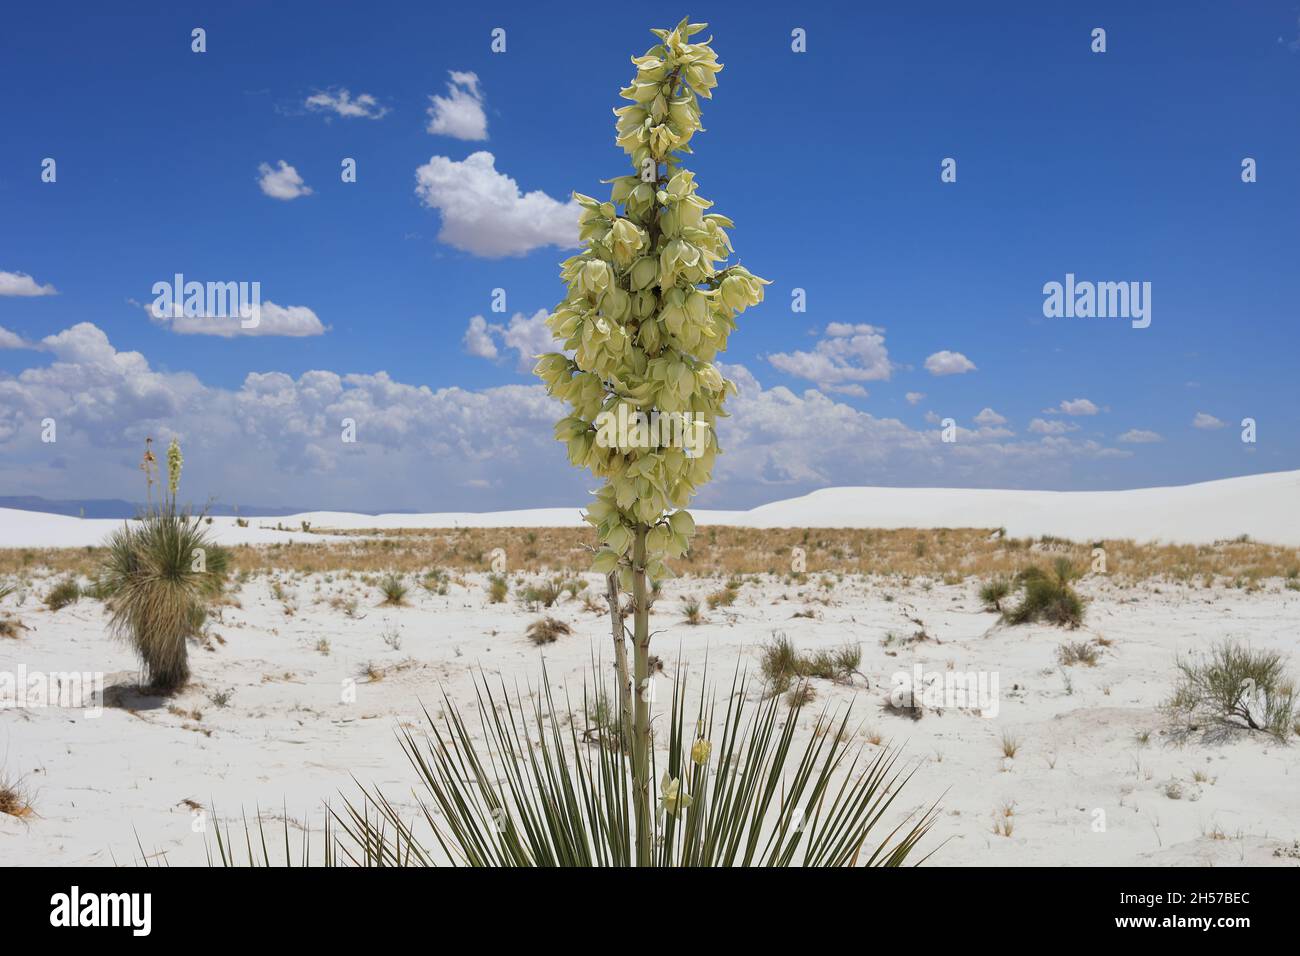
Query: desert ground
[{"x": 303, "y": 675}]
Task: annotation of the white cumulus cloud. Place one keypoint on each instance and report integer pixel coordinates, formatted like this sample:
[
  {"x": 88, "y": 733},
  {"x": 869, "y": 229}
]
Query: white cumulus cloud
[
  {"x": 526, "y": 335},
  {"x": 1206, "y": 421},
  {"x": 1140, "y": 436},
  {"x": 20, "y": 283},
  {"x": 1075, "y": 406},
  {"x": 341, "y": 103},
  {"x": 948, "y": 363},
  {"x": 291, "y": 321},
  {"x": 846, "y": 354},
  {"x": 484, "y": 212},
  {"x": 459, "y": 114},
  {"x": 281, "y": 181}
]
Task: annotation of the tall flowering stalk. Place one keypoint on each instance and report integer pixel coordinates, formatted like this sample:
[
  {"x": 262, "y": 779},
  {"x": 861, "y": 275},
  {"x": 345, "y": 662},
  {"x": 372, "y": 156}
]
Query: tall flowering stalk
[{"x": 650, "y": 304}]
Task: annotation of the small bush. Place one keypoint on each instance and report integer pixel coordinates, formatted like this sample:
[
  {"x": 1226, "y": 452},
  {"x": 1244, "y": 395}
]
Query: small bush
[
  {"x": 547, "y": 630},
  {"x": 395, "y": 590},
  {"x": 692, "y": 611},
  {"x": 62, "y": 594},
  {"x": 1238, "y": 686},
  {"x": 435, "y": 581},
  {"x": 725, "y": 597},
  {"x": 1077, "y": 652},
  {"x": 993, "y": 593},
  {"x": 1047, "y": 598},
  {"x": 545, "y": 594},
  {"x": 497, "y": 589},
  {"x": 782, "y": 664}
]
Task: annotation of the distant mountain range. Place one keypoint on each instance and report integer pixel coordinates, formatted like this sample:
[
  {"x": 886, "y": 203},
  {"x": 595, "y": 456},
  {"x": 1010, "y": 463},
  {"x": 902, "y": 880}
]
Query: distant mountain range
[{"x": 117, "y": 508}]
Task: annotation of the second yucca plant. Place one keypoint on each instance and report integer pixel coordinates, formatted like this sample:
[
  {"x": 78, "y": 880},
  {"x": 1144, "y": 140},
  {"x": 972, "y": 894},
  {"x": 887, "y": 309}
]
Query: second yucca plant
[{"x": 157, "y": 574}]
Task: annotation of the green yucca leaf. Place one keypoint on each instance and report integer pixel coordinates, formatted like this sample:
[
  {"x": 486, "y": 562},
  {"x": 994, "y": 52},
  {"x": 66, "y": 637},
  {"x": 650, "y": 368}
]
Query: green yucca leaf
[{"x": 531, "y": 790}]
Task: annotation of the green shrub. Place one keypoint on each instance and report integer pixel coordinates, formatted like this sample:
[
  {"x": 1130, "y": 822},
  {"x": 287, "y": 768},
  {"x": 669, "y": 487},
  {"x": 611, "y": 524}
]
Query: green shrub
[
  {"x": 781, "y": 664},
  {"x": 1238, "y": 686},
  {"x": 1047, "y": 598},
  {"x": 993, "y": 592},
  {"x": 394, "y": 589},
  {"x": 497, "y": 589},
  {"x": 544, "y": 593},
  {"x": 62, "y": 594}
]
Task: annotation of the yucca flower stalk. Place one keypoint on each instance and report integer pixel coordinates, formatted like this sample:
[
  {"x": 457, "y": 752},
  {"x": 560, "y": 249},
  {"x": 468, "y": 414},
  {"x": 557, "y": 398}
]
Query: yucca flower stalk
[{"x": 649, "y": 306}]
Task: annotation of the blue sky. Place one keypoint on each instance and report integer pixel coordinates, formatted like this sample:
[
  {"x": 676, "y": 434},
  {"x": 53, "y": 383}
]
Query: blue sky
[{"x": 1115, "y": 166}]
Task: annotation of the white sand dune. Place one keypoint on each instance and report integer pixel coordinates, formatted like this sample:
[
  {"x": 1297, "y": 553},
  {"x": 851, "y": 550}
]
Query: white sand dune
[{"x": 1265, "y": 507}]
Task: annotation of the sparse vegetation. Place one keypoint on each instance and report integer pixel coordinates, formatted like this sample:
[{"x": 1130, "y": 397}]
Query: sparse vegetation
[
  {"x": 62, "y": 594},
  {"x": 782, "y": 664},
  {"x": 498, "y": 588},
  {"x": 543, "y": 593},
  {"x": 1235, "y": 685},
  {"x": 394, "y": 590}
]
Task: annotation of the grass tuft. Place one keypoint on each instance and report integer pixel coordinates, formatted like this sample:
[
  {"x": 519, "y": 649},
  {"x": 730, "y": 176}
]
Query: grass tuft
[{"x": 547, "y": 630}]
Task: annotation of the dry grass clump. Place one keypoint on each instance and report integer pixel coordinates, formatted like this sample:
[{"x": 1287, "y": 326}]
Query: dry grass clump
[
  {"x": 14, "y": 800},
  {"x": 497, "y": 588},
  {"x": 1235, "y": 686},
  {"x": 1010, "y": 744},
  {"x": 547, "y": 630},
  {"x": 1077, "y": 652},
  {"x": 782, "y": 664},
  {"x": 725, "y": 596},
  {"x": 10, "y": 627}
]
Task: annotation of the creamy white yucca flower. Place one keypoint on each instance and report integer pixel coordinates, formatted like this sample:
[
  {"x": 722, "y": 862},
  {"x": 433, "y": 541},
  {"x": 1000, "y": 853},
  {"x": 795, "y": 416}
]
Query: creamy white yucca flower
[
  {"x": 650, "y": 304},
  {"x": 671, "y": 798}
]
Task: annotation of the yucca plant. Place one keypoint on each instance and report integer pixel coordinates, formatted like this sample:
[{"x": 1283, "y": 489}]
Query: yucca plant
[
  {"x": 649, "y": 307},
  {"x": 157, "y": 575},
  {"x": 734, "y": 789}
]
